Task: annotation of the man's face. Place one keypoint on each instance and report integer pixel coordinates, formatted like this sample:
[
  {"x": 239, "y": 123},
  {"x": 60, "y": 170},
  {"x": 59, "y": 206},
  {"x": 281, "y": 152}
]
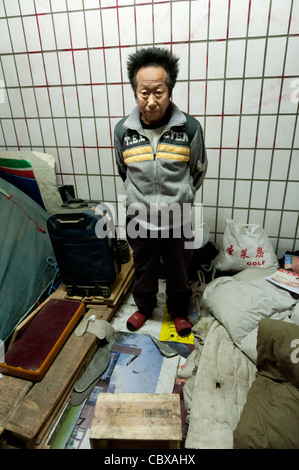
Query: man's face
[{"x": 152, "y": 94}]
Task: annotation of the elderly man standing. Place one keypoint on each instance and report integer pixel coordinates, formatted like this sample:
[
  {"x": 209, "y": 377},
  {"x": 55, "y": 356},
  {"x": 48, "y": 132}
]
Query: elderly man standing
[{"x": 161, "y": 158}]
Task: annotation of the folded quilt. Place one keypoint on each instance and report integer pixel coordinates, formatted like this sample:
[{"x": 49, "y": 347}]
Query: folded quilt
[
  {"x": 222, "y": 381},
  {"x": 240, "y": 304}
]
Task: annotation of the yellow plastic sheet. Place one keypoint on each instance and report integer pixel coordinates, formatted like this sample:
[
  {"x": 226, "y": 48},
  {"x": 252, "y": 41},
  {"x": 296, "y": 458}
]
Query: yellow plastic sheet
[{"x": 168, "y": 331}]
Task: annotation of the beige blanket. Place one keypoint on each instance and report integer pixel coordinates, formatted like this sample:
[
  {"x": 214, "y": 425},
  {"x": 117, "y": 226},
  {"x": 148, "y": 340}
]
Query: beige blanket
[{"x": 222, "y": 381}]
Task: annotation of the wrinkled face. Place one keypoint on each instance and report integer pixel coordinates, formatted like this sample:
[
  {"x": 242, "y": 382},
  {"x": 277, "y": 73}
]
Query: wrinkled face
[{"x": 152, "y": 94}]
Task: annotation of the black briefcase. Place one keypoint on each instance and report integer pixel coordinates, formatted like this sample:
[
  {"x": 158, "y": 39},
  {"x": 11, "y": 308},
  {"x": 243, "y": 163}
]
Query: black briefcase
[{"x": 85, "y": 246}]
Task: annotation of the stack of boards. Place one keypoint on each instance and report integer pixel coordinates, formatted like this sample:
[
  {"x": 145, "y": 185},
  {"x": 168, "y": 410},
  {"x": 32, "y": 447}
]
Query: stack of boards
[{"x": 30, "y": 406}]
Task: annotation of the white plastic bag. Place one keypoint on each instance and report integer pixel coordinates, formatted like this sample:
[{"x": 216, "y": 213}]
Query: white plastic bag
[{"x": 245, "y": 246}]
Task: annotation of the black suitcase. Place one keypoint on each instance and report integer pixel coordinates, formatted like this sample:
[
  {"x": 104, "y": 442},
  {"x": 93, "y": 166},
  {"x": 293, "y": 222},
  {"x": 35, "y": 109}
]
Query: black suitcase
[{"x": 85, "y": 246}]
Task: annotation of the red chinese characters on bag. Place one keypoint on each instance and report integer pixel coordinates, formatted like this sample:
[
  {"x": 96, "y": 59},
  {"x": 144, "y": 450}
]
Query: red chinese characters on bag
[
  {"x": 230, "y": 250},
  {"x": 259, "y": 252},
  {"x": 243, "y": 255}
]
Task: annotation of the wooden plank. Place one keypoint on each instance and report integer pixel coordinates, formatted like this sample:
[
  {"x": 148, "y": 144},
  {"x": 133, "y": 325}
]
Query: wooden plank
[
  {"x": 124, "y": 284},
  {"x": 130, "y": 420},
  {"x": 31, "y": 409},
  {"x": 41, "y": 438},
  {"x": 123, "y": 279},
  {"x": 42, "y": 400},
  {"x": 12, "y": 392}
]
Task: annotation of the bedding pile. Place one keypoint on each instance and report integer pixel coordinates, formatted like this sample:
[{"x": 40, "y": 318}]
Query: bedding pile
[
  {"x": 227, "y": 365},
  {"x": 270, "y": 417},
  {"x": 240, "y": 302},
  {"x": 222, "y": 379}
]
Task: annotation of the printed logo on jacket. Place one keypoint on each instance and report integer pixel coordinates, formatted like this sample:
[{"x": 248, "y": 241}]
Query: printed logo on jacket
[{"x": 173, "y": 146}]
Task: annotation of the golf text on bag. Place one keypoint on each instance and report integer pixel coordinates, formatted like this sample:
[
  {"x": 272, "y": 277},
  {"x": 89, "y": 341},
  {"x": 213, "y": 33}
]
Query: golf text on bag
[{"x": 168, "y": 216}]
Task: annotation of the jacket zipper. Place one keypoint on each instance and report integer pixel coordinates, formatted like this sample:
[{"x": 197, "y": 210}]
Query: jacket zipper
[{"x": 154, "y": 159}]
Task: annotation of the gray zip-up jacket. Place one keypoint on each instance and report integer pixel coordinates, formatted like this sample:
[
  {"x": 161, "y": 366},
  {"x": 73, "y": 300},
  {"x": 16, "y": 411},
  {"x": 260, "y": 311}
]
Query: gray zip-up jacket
[{"x": 173, "y": 173}]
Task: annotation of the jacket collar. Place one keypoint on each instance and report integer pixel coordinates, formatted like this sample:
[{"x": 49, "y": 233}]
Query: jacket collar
[{"x": 177, "y": 118}]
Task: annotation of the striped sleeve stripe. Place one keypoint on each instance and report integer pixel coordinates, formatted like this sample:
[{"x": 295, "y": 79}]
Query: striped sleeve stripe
[
  {"x": 139, "y": 158},
  {"x": 172, "y": 156},
  {"x": 172, "y": 152},
  {"x": 138, "y": 154},
  {"x": 173, "y": 149},
  {"x": 137, "y": 151}
]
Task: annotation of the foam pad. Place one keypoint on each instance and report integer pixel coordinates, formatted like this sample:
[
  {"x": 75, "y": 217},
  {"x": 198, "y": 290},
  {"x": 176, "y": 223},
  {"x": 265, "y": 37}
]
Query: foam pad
[{"x": 35, "y": 349}]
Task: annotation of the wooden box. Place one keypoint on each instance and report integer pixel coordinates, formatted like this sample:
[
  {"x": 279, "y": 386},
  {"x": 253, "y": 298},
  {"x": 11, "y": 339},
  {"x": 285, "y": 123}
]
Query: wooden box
[{"x": 136, "y": 421}]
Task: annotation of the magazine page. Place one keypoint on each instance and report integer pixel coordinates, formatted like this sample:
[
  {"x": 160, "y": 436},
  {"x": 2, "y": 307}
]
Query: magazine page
[{"x": 286, "y": 279}]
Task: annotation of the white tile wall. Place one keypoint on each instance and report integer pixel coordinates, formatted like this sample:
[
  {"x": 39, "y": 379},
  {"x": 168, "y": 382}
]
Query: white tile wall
[{"x": 63, "y": 66}]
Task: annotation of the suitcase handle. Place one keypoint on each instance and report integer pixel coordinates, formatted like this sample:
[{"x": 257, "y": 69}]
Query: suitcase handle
[
  {"x": 78, "y": 223},
  {"x": 60, "y": 221}
]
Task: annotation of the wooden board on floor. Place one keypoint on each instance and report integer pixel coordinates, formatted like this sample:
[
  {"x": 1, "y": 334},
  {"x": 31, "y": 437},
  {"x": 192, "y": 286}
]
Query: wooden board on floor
[
  {"x": 44, "y": 400},
  {"x": 12, "y": 392},
  {"x": 28, "y": 409},
  {"x": 136, "y": 420}
]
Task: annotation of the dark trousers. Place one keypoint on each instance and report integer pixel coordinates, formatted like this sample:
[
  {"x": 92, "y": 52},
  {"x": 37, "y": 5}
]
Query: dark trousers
[{"x": 176, "y": 258}]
